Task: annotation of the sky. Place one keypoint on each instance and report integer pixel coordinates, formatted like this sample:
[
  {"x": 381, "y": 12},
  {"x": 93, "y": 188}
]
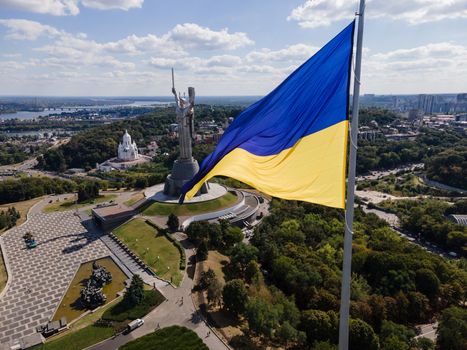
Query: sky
[{"x": 222, "y": 47}]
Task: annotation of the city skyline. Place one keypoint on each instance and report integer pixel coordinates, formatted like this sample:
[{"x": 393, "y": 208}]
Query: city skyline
[{"x": 79, "y": 48}]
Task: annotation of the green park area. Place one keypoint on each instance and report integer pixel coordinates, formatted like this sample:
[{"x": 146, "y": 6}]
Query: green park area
[
  {"x": 153, "y": 247},
  {"x": 134, "y": 199},
  {"x": 70, "y": 306},
  {"x": 174, "y": 338},
  {"x": 70, "y": 203},
  {"x": 103, "y": 324},
  {"x": 166, "y": 209},
  {"x": 402, "y": 185}
]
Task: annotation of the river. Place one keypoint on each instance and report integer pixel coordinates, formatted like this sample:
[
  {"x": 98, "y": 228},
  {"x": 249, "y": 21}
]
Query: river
[{"x": 47, "y": 111}]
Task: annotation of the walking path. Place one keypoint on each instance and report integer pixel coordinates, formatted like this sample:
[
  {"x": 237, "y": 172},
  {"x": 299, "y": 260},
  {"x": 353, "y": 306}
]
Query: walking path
[
  {"x": 178, "y": 309},
  {"x": 39, "y": 277}
]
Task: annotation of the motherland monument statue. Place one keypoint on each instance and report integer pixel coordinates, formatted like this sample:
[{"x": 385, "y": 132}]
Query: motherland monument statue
[{"x": 185, "y": 167}]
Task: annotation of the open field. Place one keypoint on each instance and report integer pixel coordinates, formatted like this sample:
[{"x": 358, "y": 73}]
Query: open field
[
  {"x": 174, "y": 338},
  {"x": 158, "y": 208},
  {"x": 153, "y": 248},
  {"x": 23, "y": 208},
  {"x": 70, "y": 204},
  {"x": 134, "y": 199},
  {"x": 70, "y": 306}
]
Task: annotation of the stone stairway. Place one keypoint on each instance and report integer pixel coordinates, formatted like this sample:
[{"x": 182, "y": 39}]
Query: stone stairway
[{"x": 126, "y": 256}]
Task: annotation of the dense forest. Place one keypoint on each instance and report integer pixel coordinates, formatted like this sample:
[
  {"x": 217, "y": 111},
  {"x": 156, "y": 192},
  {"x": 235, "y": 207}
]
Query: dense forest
[
  {"x": 11, "y": 153},
  {"x": 428, "y": 218},
  {"x": 381, "y": 154},
  {"x": 449, "y": 167},
  {"x": 31, "y": 187},
  {"x": 286, "y": 284}
]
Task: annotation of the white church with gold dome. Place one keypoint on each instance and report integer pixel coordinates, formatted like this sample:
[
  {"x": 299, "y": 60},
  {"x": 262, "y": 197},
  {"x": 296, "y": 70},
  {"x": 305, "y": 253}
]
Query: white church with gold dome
[{"x": 127, "y": 156}]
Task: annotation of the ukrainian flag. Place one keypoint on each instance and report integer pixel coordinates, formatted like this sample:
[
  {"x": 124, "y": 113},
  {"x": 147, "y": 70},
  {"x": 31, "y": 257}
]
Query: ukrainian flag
[{"x": 292, "y": 143}]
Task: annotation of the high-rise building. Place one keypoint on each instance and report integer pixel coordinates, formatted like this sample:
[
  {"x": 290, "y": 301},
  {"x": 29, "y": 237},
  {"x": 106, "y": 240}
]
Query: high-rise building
[
  {"x": 461, "y": 103},
  {"x": 426, "y": 103}
]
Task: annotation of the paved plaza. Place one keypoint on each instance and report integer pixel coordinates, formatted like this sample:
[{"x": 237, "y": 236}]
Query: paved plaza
[{"x": 39, "y": 277}]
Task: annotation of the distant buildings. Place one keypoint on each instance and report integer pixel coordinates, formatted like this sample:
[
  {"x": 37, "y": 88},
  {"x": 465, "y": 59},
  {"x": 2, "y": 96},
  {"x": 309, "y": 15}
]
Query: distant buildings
[{"x": 461, "y": 103}]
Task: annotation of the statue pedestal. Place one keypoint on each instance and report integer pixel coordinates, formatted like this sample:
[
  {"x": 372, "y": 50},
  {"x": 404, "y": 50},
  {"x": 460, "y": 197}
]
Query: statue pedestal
[{"x": 182, "y": 171}]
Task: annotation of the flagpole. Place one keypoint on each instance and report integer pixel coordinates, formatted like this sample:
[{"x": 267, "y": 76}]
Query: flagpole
[{"x": 349, "y": 213}]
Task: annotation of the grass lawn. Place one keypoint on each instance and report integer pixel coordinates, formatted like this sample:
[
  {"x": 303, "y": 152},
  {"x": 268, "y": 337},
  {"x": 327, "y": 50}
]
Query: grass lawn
[
  {"x": 70, "y": 203},
  {"x": 173, "y": 338},
  {"x": 3, "y": 274},
  {"x": 157, "y": 208},
  {"x": 120, "y": 312},
  {"x": 23, "y": 208},
  {"x": 79, "y": 340},
  {"x": 70, "y": 306},
  {"x": 153, "y": 248},
  {"x": 135, "y": 198}
]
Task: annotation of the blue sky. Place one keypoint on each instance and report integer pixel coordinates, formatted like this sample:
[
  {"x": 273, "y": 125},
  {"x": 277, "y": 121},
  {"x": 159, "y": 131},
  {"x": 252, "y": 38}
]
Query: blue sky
[{"x": 126, "y": 47}]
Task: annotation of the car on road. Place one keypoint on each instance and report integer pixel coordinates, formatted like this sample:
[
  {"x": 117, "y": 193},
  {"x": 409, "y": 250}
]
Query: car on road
[{"x": 134, "y": 324}]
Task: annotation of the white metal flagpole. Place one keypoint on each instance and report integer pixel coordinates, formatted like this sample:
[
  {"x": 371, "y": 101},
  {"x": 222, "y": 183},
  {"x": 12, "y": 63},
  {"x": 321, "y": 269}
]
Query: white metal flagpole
[{"x": 347, "y": 261}]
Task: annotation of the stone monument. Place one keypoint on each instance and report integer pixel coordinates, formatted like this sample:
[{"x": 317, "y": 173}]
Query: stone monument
[{"x": 185, "y": 167}]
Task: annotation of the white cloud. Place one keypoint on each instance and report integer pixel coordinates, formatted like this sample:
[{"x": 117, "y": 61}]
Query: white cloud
[
  {"x": 436, "y": 66},
  {"x": 317, "y": 13},
  {"x": 69, "y": 7},
  {"x": 22, "y": 29},
  {"x": 113, "y": 4},
  {"x": 297, "y": 52},
  {"x": 52, "y": 7},
  {"x": 191, "y": 35}
]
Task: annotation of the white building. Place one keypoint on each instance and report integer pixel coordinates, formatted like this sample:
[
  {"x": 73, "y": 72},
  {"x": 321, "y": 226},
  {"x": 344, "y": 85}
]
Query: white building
[
  {"x": 127, "y": 150},
  {"x": 127, "y": 156}
]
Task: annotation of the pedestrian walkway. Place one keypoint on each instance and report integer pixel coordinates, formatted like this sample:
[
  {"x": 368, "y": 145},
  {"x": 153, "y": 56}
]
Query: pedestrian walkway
[{"x": 39, "y": 277}]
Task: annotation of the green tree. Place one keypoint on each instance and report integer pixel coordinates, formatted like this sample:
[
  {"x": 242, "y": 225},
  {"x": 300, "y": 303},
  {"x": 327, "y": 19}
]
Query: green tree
[
  {"x": 395, "y": 336},
  {"x": 135, "y": 293},
  {"x": 457, "y": 240},
  {"x": 323, "y": 345},
  {"x": 319, "y": 325},
  {"x": 241, "y": 255},
  {"x": 206, "y": 278},
  {"x": 262, "y": 317},
  {"x": 88, "y": 190},
  {"x": 423, "y": 344},
  {"x": 232, "y": 236},
  {"x": 173, "y": 223},
  {"x": 214, "y": 292},
  {"x": 452, "y": 329},
  {"x": 362, "y": 336},
  {"x": 235, "y": 296},
  {"x": 427, "y": 282},
  {"x": 202, "y": 252},
  {"x": 252, "y": 272}
]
